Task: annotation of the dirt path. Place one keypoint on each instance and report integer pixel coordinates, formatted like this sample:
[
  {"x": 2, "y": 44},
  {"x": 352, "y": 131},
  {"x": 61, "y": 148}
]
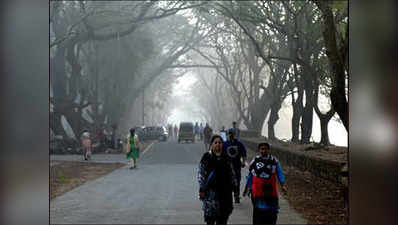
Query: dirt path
[{"x": 66, "y": 175}]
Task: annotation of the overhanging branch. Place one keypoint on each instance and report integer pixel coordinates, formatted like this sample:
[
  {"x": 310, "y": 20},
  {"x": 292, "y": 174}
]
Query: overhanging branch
[{"x": 193, "y": 66}]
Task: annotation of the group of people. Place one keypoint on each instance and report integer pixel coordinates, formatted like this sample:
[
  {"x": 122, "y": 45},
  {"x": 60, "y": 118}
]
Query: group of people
[
  {"x": 208, "y": 132},
  {"x": 102, "y": 137},
  {"x": 198, "y": 131},
  {"x": 173, "y": 131},
  {"x": 219, "y": 175}
]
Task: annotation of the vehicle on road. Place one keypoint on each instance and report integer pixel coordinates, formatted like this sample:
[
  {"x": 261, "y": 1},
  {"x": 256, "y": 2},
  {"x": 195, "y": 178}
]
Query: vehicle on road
[
  {"x": 163, "y": 134},
  {"x": 152, "y": 133},
  {"x": 186, "y": 132}
]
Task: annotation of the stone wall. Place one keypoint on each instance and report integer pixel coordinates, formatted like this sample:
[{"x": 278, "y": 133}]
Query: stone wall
[
  {"x": 326, "y": 169},
  {"x": 249, "y": 133}
]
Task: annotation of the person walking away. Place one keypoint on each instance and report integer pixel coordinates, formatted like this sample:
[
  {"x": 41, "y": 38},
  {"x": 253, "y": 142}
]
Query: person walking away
[
  {"x": 261, "y": 185},
  {"x": 133, "y": 148},
  {"x": 216, "y": 181},
  {"x": 223, "y": 129},
  {"x": 86, "y": 144},
  {"x": 196, "y": 130},
  {"x": 237, "y": 152},
  {"x": 207, "y": 132},
  {"x": 201, "y": 131},
  {"x": 236, "y": 130},
  {"x": 170, "y": 130},
  {"x": 175, "y": 131}
]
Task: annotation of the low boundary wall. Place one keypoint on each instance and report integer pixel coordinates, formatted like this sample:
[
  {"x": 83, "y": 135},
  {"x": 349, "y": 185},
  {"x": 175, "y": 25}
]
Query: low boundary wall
[{"x": 326, "y": 169}]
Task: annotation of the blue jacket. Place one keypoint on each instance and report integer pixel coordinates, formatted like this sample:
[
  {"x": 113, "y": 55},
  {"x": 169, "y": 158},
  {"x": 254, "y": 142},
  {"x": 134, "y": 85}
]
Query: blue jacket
[{"x": 258, "y": 168}]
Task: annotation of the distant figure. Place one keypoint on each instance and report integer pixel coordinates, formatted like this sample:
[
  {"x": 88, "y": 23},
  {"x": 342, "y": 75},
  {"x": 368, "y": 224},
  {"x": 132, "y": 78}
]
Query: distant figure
[
  {"x": 113, "y": 134},
  {"x": 216, "y": 181},
  {"x": 133, "y": 148},
  {"x": 86, "y": 144},
  {"x": 196, "y": 130},
  {"x": 201, "y": 131},
  {"x": 236, "y": 130},
  {"x": 101, "y": 135},
  {"x": 170, "y": 130},
  {"x": 223, "y": 129},
  {"x": 207, "y": 132},
  {"x": 223, "y": 134},
  {"x": 261, "y": 185},
  {"x": 175, "y": 131},
  {"x": 237, "y": 152}
]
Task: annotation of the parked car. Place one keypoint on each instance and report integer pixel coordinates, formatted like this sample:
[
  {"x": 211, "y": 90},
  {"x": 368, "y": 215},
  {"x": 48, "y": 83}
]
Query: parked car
[
  {"x": 163, "y": 134},
  {"x": 152, "y": 133},
  {"x": 185, "y": 132},
  {"x": 139, "y": 131}
]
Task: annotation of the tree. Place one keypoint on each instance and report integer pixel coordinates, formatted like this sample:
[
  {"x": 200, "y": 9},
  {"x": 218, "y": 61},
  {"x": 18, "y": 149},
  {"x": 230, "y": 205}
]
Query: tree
[
  {"x": 82, "y": 34},
  {"x": 337, "y": 52}
]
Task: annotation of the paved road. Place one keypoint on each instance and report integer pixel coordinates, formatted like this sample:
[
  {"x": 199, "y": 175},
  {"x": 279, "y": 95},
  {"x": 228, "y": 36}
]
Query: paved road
[{"x": 162, "y": 190}]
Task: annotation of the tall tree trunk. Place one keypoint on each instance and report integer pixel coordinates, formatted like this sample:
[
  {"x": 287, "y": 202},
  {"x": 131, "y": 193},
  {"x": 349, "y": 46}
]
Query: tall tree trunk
[
  {"x": 307, "y": 117},
  {"x": 297, "y": 112},
  {"x": 59, "y": 76},
  {"x": 337, "y": 58},
  {"x": 72, "y": 115},
  {"x": 323, "y": 118},
  {"x": 273, "y": 118},
  {"x": 55, "y": 124},
  {"x": 59, "y": 80},
  {"x": 324, "y": 131},
  {"x": 297, "y": 105},
  {"x": 258, "y": 116}
]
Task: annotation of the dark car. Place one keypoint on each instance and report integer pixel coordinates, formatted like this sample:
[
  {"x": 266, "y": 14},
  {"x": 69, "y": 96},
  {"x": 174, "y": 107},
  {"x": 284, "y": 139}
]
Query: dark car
[
  {"x": 185, "y": 133},
  {"x": 153, "y": 133},
  {"x": 150, "y": 133}
]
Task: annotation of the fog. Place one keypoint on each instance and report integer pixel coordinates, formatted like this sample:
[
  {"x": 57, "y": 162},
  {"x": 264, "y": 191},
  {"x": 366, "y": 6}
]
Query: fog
[
  {"x": 189, "y": 109},
  {"x": 126, "y": 64}
]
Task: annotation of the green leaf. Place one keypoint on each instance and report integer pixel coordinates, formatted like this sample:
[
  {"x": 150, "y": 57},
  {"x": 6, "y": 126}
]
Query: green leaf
[{"x": 340, "y": 5}]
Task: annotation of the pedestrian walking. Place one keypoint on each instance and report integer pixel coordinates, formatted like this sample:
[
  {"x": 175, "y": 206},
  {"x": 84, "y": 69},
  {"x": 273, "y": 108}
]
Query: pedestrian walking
[
  {"x": 236, "y": 150},
  {"x": 175, "y": 131},
  {"x": 223, "y": 133},
  {"x": 196, "y": 130},
  {"x": 86, "y": 144},
  {"x": 261, "y": 185},
  {"x": 170, "y": 127},
  {"x": 207, "y": 132},
  {"x": 133, "y": 148},
  {"x": 201, "y": 131},
  {"x": 216, "y": 180},
  {"x": 236, "y": 130}
]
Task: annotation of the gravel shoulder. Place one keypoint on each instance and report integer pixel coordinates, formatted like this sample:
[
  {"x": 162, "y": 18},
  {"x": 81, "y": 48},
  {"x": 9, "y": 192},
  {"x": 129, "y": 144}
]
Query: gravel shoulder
[
  {"x": 67, "y": 175},
  {"x": 70, "y": 171}
]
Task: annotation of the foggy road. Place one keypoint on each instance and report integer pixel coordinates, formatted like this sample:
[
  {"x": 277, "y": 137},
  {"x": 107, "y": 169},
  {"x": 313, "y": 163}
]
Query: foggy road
[{"x": 162, "y": 190}]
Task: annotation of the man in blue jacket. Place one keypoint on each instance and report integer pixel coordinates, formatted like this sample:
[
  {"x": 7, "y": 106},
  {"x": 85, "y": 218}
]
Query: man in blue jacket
[
  {"x": 261, "y": 182},
  {"x": 235, "y": 149}
]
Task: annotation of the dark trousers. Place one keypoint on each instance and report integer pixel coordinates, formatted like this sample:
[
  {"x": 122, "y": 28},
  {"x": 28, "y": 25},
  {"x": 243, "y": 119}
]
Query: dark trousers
[
  {"x": 238, "y": 177},
  {"x": 264, "y": 217},
  {"x": 218, "y": 220}
]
